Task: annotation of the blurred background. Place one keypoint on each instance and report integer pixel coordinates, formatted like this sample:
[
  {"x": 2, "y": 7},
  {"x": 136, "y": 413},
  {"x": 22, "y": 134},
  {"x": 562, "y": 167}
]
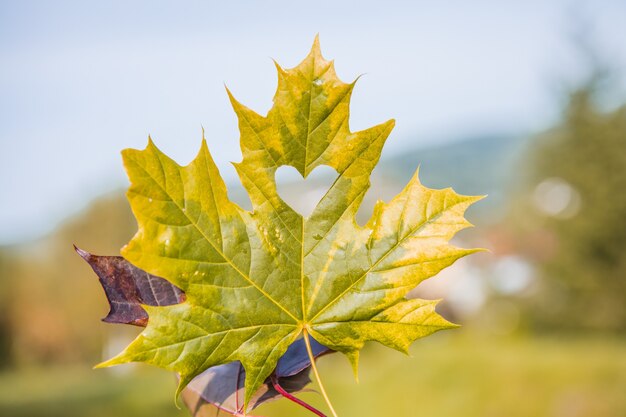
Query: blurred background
[{"x": 523, "y": 101}]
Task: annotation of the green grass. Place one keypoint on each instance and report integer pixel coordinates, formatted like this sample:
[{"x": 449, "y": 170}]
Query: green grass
[
  {"x": 86, "y": 393},
  {"x": 448, "y": 375}
]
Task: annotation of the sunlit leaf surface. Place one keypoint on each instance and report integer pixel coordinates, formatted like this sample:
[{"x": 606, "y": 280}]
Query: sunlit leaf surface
[{"x": 256, "y": 280}]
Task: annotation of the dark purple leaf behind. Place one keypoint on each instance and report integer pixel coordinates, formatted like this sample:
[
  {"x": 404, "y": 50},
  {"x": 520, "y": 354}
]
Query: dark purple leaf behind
[
  {"x": 296, "y": 358},
  {"x": 127, "y": 287}
]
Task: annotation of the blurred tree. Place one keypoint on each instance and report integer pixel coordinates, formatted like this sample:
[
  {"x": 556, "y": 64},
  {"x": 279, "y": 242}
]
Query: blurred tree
[
  {"x": 572, "y": 217},
  {"x": 5, "y": 307},
  {"x": 50, "y": 300}
]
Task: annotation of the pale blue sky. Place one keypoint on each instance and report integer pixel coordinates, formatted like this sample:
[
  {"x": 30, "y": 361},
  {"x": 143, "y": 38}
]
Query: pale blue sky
[{"x": 79, "y": 81}]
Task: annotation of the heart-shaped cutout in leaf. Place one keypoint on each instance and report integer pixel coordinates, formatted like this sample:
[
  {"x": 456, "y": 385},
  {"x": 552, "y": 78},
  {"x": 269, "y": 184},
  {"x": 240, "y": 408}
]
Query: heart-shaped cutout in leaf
[{"x": 304, "y": 194}]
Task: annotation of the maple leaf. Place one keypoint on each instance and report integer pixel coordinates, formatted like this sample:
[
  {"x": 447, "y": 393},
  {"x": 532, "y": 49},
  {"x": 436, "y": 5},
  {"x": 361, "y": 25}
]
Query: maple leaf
[
  {"x": 257, "y": 281},
  {"x": 128, "y": 287}
]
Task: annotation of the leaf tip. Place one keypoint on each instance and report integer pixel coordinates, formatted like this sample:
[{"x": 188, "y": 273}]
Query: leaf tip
[
  {"x": 182, "y": 384},
  {"x": 478, "y": 250},
  {"x": 353, "y": 357},
  {"x": 316, "y": 48},
  {"x": 82, "y": 253},
  {"x": 280, "y": 69},
  {"x": 231, "y": 97},
  {"x": 358, "y": 77},
  {"x": 107, "y": 364},
  {"x": 476, "y": 198},
  {"x": 119, "y": 359}
]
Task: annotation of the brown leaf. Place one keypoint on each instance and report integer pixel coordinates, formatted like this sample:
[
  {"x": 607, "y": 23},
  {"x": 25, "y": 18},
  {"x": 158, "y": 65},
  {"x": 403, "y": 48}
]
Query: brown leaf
[{"x": 128, "y": 287}]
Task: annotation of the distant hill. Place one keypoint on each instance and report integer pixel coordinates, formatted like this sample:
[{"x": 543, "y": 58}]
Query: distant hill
[{"x": 476, "y": 166}]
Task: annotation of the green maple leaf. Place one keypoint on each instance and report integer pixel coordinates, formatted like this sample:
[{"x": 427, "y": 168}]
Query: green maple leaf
[{"x": 256, "y": 281}]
